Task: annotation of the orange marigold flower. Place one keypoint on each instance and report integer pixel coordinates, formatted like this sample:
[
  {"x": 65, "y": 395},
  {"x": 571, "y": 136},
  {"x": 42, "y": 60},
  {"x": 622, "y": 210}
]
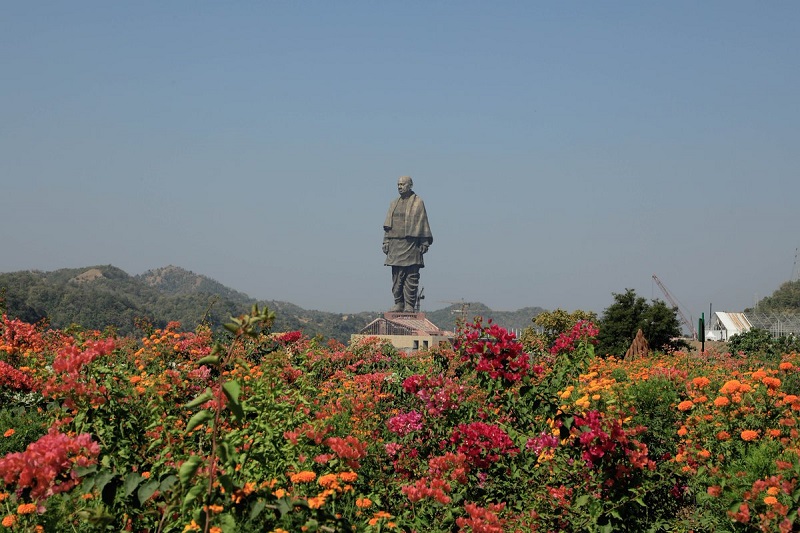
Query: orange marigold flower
[
  {"x": 705, "y": 454},
  {"x": 730, "y": 386},
  {"x": 714, "y": 491},
  {"x": 306, "y": 476},
  {"x": 723, "y": 435},
  {"x": 721, "y": 401},
  {"x": 790, "y": 398},
  {"x": 773, "y": 491},
  {"x": 749, "y": 435},
  {"x": 701, "y": 382},
  {"x": 682, "y": 431},
  {"x": 9, "y": 520},
  {"x": 328, "y": 481},
  {"x": 770, "y": 500},
  {"x": 786, "y": 365},
  {"x": 146, "y": 475},
  {"x": 215, "y": 529},
  {"x": 279, "y": 493},
  {"x": 9, "y": 432},
  {"x": 378, "y": 516},
  {"x": 26, "y": 508},
  {"x": 759, "y": 374},
  {"x": 771, "y": 383},
  {"x": 685, "y": 405},
  {"x": 774, "y": 433},
  {"x": 701, "y": 399},
  {"x": 348, "y": 477},
  {"x": 363, "y": 503},
  {"x": 316, "y": 502}
]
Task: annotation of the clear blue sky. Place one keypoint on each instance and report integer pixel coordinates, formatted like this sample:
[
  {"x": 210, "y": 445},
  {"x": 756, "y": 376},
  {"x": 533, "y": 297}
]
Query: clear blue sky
[{"x": 565, "y": 150}]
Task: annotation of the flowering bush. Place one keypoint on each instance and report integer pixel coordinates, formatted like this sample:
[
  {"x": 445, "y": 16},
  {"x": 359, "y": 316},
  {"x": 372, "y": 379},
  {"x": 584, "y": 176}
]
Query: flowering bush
[{"x": 174, "y": 431}]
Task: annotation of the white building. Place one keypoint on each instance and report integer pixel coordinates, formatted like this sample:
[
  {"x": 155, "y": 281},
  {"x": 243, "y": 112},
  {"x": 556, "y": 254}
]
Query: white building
[{"x": 725, "y": 325}]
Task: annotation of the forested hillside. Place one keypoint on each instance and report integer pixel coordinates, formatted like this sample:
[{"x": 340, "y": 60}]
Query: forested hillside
[
  {"x": 786, "y": 298},
  {"x": 97, "y": 297},
  {"x": 101, "y": 296}
]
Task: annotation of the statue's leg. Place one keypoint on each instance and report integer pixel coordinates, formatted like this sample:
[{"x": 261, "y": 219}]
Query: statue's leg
[
  {"x": 410, "y": 288},
  {"x": 398, "y": 279}
]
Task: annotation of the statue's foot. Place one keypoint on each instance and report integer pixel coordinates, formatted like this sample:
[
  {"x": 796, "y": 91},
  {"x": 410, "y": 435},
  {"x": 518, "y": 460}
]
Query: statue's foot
[
  {"x": 398, "y": 308},
  {"x": 408, "y": 309}
]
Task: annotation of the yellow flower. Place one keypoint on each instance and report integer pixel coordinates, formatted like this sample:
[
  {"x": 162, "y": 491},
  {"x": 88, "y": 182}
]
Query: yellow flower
[{"x": 191, "y": 526}]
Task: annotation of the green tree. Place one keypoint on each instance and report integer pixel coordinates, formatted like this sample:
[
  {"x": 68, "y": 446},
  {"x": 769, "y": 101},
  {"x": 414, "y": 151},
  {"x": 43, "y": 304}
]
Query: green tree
[
  {"x": 551, "y": 324},
  {"x": 629, "y": 313}
]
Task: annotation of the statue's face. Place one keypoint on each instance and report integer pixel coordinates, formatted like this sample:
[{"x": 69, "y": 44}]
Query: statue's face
[{"x": 403, "y": 185}]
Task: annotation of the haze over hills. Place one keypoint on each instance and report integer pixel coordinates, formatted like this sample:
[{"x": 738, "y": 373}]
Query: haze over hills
[{"x": 97, "y": 297}]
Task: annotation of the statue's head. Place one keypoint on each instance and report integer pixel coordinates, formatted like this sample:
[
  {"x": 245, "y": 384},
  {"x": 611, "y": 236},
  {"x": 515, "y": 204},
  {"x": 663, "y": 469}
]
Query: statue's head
[{"x": 404, "y": 185}]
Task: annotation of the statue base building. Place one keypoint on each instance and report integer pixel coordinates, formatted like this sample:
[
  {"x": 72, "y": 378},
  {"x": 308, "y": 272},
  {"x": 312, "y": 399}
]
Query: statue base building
[{"x": 406, "y": 331}]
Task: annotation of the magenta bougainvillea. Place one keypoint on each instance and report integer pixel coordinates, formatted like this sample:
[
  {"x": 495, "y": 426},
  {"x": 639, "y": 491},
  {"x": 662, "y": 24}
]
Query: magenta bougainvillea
[
  {"x": 583, "y": 330},
  {"x": 495, "y": 351},
  {"x": 483, "y": 444}
]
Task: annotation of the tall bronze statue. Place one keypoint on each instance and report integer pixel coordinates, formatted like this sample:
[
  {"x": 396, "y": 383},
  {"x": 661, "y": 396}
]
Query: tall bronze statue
[{"x": 406, "y": 238}]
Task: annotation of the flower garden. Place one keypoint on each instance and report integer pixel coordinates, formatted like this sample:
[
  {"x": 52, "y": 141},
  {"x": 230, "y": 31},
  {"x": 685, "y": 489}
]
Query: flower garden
[{"x": 180, "y": 431}]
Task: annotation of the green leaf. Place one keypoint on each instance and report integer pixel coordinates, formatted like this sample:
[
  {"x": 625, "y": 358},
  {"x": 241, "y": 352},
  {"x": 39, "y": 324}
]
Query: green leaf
[
  {"x": 227, "y": 523},
  {"x": 582, "y": 500},
  {"x": 147, "y": 490},
  {"x": 199, "y": 417},
  {"x": 191, "y": 496},
  {"x": 189, "y": 468},
  {"x": 201, "y": 398},
  {"x": 232, "y": 389},
  {"x": 167, "y": 482},
  {"x": 208, "y": 360},
  {"x": 102, "y": 479},
  {"x": 233, "y": 328},
  {"x": 257, "y": 508},
  {"x": 85, "y": 470},
  {"x": 132, "y": 481}
]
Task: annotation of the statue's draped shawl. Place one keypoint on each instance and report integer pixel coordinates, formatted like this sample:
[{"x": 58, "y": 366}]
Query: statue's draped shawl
[{"x": 416, "y": 220}]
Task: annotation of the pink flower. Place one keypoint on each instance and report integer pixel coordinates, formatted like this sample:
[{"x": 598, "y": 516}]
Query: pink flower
[
  {"x": 47, "y": 466},
  {"x": 483, "y": 444},
  {"x": 405, "y": 423}
]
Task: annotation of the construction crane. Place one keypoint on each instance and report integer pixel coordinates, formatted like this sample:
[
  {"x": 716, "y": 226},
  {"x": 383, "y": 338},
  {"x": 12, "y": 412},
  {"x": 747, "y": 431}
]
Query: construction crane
[{"x": 674, "y": 303}]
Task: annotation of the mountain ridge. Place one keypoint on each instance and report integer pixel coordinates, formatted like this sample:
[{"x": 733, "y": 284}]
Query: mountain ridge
[{"x": 99, "y": 296}]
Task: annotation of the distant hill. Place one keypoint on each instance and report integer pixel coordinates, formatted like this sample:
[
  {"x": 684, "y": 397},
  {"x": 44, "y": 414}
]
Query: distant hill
[
  {"x": 446, "y": 318},
  {"x": 785, "y": 299},
  {"x": 100, "y": 296}
]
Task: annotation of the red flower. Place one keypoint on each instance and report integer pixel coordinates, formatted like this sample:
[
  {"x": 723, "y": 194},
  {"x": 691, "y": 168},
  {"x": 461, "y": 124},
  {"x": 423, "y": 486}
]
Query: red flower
[{"x": 46, "y": 467}]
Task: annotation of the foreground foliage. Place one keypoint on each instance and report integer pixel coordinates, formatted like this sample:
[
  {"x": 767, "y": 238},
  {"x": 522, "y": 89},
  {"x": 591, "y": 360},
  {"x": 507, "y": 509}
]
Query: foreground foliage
[{"x": 174, "y": 431}]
